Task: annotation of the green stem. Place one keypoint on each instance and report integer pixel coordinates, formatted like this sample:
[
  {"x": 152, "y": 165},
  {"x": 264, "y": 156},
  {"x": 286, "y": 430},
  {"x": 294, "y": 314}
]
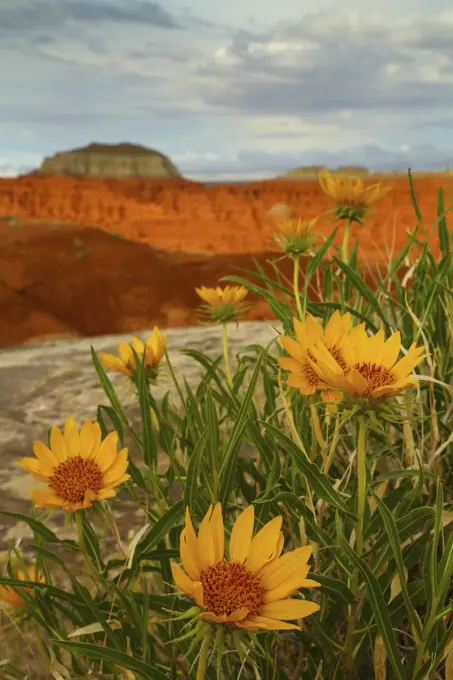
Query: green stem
[
  {"x": 361, "y": 497},
  {"x": 296, "y": 289},
  {"x": 81, "y": 536},
  {"x": 421, "y": 647},
  {"x": 345, "y": 245},
  {"x": 203, "y": 658},
  {"x": 225, "y": 355},
  {"x": 361, "y": 483}
]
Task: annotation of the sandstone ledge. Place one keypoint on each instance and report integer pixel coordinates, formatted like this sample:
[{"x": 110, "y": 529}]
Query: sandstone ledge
[{"x": 43, "y": 384}]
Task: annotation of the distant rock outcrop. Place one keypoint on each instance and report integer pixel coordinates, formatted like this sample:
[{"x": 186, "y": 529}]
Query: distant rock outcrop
[
  {"x": 110, "y": 160},
  {"x": 310, "y": 172},
  {"x": 355, "y": 170}
]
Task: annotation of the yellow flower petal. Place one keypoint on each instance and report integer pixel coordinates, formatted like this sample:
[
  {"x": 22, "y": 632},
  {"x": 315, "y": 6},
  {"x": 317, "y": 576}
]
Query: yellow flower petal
[
  {"x": 404, "y": 367},
  {"x": 58, "y": 444},
  {"x": 34, "y": 468},
  {"x": 392, "y": 350},
  {"x": 218, "y": 533},
  {"x": 46, "y": 498},
  {"x": 105, "y": 453},
  {"x": 44, "y": 455},
  {"x": 289, "y": 609},
  {"x": 290, "y": 587},
  {"x": 106, "y": 493},
  {"x": 125, "y": 352},
  {"x": 118, "y": 468},
  {"x": 181, "y": 579},
  {"x": 264, "y": 545},
  {"x": 293, "y": 348},
  {"x": 72, "y": 436},
  {"x": 300, "y": 382},
  {"x": 276, "y": 572},
  {"x": 188, "y": 560},
  {"x": 266, "y": 623},
  {"x": 198, "y": 595},
  {"x": 206, "y": 548},
  {"x": 138, "y": 345},
  {"x": 290, "y": 364},
  {"x": 87, "y": 439},
  {"x": 241, "y": 535},
  {"x": 192, "y": 542}
]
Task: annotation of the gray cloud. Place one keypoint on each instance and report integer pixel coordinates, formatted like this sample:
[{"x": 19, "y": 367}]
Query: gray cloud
[
  {"x": 251, "y": 162},
  {"x": 29, "y": 15},
  {"x": 366, "y": 68}
]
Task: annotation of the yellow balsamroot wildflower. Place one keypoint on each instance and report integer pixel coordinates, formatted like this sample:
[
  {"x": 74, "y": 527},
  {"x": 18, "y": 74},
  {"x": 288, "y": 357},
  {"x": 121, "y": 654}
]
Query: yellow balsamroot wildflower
[
  {"x": 12, "y": 598},
  {"x": 223, "y": 304},
  {"x": 373, "y": 371},
  {"x": 352, "y": 199},
  {"x": 154, "y": 350},
  {"x": 303, "y": 375},
  {"x": 251, "y": 589},
  {"x": 295, "y": 237},
  {"x": 78, "y": 468}
]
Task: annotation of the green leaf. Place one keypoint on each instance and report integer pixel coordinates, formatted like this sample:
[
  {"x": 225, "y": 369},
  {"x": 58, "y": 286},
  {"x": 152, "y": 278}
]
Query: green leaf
[
  {"x": 158, "y": 531},
  {"x": 317, "y": 480},
  {"x": 313, "y": 265},
  {"x": 377, "y": 602},
  {"x": 436, "y": 535},
  {"x": 395, "y": 542},
  {"x": 193, "y": 470},
  {"x": 212, "y": 422},
  {"x": 228, "y": 467},
  {"x": 91, "y": 543},
  {"x": 112, "y": 656},
  {"x": 336, "y": 588},
  {"x": 96, "y": 613},
  {"x": 414, "y": 198},
  {"x": 399, "y": 259},
  {"x": 115, "y": 421},
  {"x": 407, "y": 526},
  {"x": 192, "y": 404},
  {"x": 41, "y": 529},
  {"x": 148, "y": 435},
  {"x": 111, "y": 394},
  {"x": 58, "y": 593},
  {"x": 364, "y": 290},
  {"x": 445, "y": 571},
  {"x": 398, "y": 474}
]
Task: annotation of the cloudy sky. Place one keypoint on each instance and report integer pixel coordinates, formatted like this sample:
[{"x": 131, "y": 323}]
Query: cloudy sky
[{"x": 230, "y": 88}]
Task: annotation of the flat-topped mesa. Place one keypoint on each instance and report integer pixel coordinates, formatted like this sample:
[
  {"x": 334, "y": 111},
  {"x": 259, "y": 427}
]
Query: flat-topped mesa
[
  {"x": 310, "y": 172},
  {"x": 110, "y": 160}
]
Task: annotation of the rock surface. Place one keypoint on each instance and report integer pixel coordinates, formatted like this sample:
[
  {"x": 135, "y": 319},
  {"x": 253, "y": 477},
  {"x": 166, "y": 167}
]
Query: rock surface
[
  {"x": 110, "y": 160},
  {"x": 44, "y": 384}
]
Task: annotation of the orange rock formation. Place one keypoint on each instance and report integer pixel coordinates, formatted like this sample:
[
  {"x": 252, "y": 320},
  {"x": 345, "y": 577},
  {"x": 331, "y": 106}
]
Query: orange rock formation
[{"x": 62, "y": 272}]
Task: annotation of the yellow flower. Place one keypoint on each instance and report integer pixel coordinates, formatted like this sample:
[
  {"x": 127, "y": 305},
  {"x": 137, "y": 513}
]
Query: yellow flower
[
  {"x": 12, "y": 598},
  {"x": 154, "y": 350},
  {"x": 352, "y": 198},
  {"x": 295, "y": 237},
  {"x": 216, "y": 297},
  {"x": 303, "y": 375},
  {"x": 251, "y": 589},
  {"x": 223, "y": 304},
  {"x": 373, "y": 370},
  {"x": 78, "y": 468}
]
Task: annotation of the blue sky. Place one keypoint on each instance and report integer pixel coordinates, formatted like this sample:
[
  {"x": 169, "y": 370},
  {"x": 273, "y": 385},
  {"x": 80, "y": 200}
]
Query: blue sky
[{"x": 238, "y": 89}]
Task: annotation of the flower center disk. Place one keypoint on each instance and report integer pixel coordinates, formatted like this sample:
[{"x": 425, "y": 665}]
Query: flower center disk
[
  {"x": 228, "y": 586},
  {"x": 375, "y": 375},
  {"x": 72, "y": 478}
]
